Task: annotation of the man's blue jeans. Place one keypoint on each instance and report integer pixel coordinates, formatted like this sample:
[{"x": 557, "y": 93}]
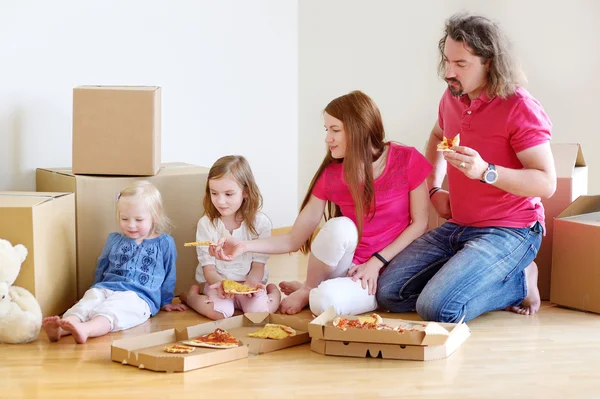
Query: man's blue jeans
[{"x": 455, "y": 271}]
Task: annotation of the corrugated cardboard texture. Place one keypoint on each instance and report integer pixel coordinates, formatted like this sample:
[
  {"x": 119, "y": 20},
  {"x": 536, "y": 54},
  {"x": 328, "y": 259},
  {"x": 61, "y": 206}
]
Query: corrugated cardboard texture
[
  {"x": 576, "y": 256},
  {"x": 572, "y": 181},
  {"x": 458, "y": 335},
  {"x": 182, "y": 188},
  {"x": 45, "y": 224},
  {"x": 117, "y": 130}
]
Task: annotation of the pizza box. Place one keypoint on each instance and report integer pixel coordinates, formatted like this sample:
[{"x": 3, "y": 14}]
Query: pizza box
[
  {"x": 241, "y": 326},
  {"x": 417, "y": 332},
  {"x": 458, "y": 334},
  {"x": 147, "y": 351}
]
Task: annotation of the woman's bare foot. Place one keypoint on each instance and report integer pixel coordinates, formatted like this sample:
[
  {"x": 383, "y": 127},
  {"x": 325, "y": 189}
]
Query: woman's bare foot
[
  {"x": 289, "y": 287},
  {"x": 296, "y": 301},
  {"x": 79, "y": 332},
  {"x": 531, "y": 303},
  {"x": 52, "y": 327}
]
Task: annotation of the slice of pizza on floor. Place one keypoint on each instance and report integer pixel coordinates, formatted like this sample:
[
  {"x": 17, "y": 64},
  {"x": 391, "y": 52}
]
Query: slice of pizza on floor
[
  {"x": 233, "y": 287},
  {"x": 274, "y": 331},
  {"x": 219, "y": 339}
]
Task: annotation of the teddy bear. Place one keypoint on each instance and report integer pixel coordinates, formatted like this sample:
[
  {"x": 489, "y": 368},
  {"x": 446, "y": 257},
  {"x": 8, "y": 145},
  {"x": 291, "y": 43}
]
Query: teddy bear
[{"x": 20, "y": 312}]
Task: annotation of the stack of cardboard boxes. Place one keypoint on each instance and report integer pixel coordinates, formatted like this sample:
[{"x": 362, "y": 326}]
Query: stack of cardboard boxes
[{"x": 116, "y": 140}]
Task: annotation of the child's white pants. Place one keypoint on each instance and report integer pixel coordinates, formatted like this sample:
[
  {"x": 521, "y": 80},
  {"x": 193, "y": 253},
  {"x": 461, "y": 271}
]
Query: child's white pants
[{"x": 124, "y": 309}]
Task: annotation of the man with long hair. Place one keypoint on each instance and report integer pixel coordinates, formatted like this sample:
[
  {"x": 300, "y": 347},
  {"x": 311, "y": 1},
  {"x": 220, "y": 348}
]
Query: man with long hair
[{"x": 481, "y": 259}]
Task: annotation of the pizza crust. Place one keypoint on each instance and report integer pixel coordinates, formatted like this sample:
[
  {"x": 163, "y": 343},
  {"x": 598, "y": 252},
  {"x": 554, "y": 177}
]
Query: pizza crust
[
  {"x": 199, "y": 244},
  {"x": 177, "y": 348},
  {"x": 233, "y": 287},
  {"x": 221, "y": 345}
]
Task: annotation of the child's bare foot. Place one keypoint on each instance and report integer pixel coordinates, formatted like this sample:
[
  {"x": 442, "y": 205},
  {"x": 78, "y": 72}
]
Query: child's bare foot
[
  {"x": 52, "y": 327},
  {"x": 531, "y": 303},
  {"x": 194, "y": 290},
  {"x": 274, "y": 297},
  {"x": 288, "y": 287},
  {"x": 79, "y": 332},
  {"x": 296, "y": 301}
]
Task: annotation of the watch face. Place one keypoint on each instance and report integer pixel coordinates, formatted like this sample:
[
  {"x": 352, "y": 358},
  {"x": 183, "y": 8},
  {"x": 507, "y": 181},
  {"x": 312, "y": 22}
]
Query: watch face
[{"x": 491, "y": 176}]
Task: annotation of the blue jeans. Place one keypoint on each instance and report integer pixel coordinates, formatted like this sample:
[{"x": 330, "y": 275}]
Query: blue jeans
[{"x": 455, "y": 271}]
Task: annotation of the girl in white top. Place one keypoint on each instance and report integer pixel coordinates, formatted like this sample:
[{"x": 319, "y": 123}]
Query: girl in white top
[{"x": 231, "y": 208}]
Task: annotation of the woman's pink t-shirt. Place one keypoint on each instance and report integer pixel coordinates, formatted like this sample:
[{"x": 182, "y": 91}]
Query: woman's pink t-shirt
[{"x": 406, "y": 168}]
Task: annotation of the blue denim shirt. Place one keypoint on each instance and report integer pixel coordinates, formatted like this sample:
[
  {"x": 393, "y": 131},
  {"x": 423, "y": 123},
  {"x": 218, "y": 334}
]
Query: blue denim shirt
[{"x": 148, "y": 269}]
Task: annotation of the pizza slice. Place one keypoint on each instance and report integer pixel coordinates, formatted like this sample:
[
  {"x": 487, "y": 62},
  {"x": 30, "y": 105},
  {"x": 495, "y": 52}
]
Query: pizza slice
[
  {"x": 233, "y": 287},
  {"x": 199, "y": 244},
  {"x": 448, "y": 145},
  {"x": 177, "y": 348},
  {"x": 274, "y": 331},
  {"x": 219, "y": 339},
  {"x": 372, "y": 322}
]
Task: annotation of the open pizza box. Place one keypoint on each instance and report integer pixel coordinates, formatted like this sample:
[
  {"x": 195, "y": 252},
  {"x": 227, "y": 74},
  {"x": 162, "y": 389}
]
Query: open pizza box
[
  {"x": 419, "y": 341},
  {"x": 147, "y": 351}
]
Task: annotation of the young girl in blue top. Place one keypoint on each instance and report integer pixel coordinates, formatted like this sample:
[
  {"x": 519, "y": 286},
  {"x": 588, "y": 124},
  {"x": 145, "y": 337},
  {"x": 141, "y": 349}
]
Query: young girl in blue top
[{"x": 135, "y": 276}]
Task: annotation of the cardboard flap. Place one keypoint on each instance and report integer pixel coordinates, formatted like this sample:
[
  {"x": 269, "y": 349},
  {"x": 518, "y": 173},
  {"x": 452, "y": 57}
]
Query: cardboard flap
[
  {"x": 567, "y": 156},
  {"x": 257, "y": 317},
  {"x": 315, "y": 327},
  {"x": 26, "y": 199},
  {"x": 583, "y": 204},
  {"x": 151, "y": 339}
]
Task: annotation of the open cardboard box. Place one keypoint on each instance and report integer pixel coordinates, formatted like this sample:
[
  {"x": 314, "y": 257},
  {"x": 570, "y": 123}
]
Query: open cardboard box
[
  {"x": 146, "y": 351},
  {"x": 428, "y": 342},
  {"x": 576, "y": 254}
]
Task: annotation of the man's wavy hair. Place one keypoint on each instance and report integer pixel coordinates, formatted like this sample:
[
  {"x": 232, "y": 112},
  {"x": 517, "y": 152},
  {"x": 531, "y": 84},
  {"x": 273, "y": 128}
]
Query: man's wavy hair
[{"x": 485, "y": 39}]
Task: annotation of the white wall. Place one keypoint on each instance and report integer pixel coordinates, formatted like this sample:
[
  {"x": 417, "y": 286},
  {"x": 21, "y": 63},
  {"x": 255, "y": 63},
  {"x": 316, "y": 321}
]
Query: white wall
[
  {"x": 388, "y": 49},
  {"x": 228, "y": 71}
]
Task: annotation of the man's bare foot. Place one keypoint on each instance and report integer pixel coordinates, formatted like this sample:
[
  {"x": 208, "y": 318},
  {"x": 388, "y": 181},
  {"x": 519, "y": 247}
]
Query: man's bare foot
[
  {"x": 296, "y": 301},
  {"x": 52, "y": 327},
  {"x": 288, "y": 287},
  {"x": 531, "y": 303},
  {"x": 79, "y": 332}
]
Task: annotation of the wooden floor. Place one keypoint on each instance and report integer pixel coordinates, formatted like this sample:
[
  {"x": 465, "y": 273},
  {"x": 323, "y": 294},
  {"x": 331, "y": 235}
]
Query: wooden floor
[{"x": 555, "y": 354}]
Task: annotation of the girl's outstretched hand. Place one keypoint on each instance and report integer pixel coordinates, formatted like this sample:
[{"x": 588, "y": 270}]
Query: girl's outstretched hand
[{"x": 228, "y": 248}]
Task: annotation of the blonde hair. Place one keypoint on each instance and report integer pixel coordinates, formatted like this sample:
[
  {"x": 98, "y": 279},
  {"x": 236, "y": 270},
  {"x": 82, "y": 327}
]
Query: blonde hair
[
  {"x": 239, "y": 168},
  {"x": 143, "y": 190},
  {"x": 365, "y": 138}
]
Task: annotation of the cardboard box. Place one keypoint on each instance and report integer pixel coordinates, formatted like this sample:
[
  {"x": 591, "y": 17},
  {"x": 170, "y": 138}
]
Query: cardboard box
[
  {"x": 182, "y": 188},
  {"x": 576, "y": 255},
  {"x": 146, "y": 351},
  {"x": 117, "y": 130},
  {"x": 45, "y": 224},
  {"x": 572, "y": 181},
  {"x": 432, "y": 341}
]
